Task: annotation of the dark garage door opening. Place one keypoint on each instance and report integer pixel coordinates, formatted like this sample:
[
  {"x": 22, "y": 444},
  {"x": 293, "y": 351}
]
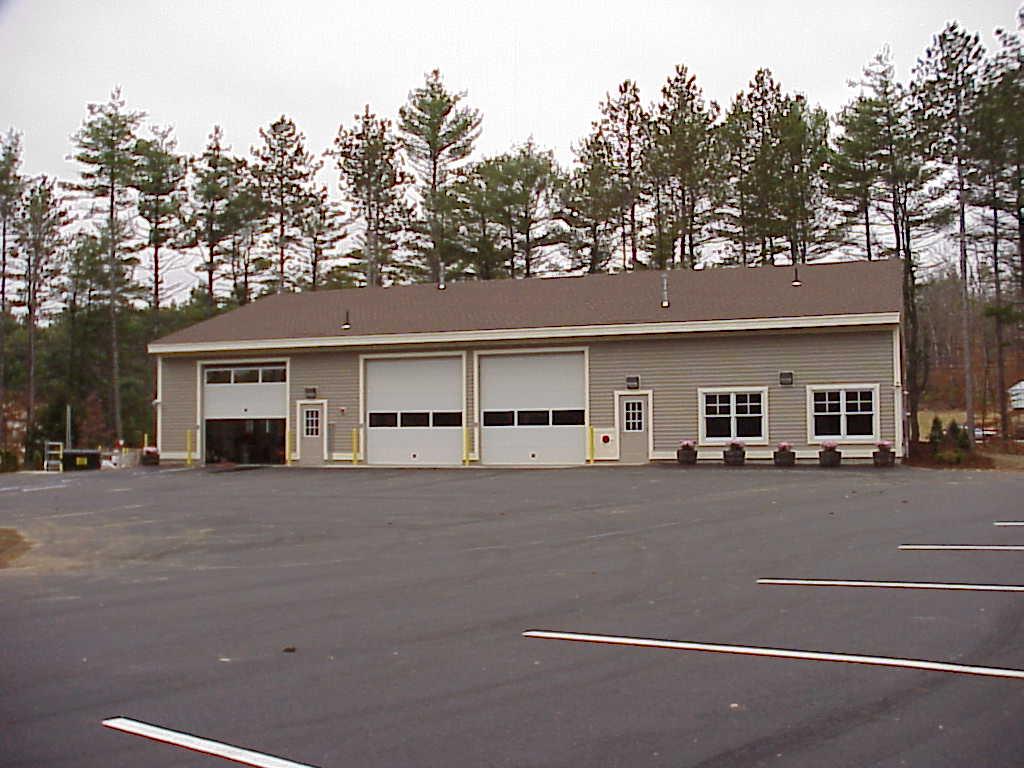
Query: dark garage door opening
[{"x": 245, "y": 441}]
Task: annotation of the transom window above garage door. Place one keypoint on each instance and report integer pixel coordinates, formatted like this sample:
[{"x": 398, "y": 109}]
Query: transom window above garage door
[
  {"x": 379, "y": 419},
  {"x": 247, "y": 374},
  {"x": 533, "y": 417},
  {"x": 733, "y": 415}
]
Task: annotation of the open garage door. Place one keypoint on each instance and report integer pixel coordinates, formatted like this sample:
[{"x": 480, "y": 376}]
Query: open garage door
[
  {"x": 533, "y": 408},
  {"x": 244, "y": 410},
  {"x": 414, "y": 410}
]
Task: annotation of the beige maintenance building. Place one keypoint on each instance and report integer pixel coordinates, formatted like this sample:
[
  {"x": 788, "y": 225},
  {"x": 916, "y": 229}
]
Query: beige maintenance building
[{"x": 559, "y": 371}]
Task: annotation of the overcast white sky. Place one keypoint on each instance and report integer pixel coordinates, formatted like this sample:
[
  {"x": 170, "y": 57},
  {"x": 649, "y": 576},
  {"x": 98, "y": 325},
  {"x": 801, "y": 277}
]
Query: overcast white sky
[{"x": 533, "y": 68}]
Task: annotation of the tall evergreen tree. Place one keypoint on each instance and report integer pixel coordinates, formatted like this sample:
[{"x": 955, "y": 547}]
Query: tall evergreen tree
[
  {"x": 322, "y": 229},
  {"x": 438, "y": 134},
  {"x": 285, "y": 172},
  {"x": 685, "y": 149},
  {"x": 946, "y": 83},
  {"x": 11, "y": 185},
  {"x": 238, "y": 225},
  {"x": 206, "y": 222},
  {"x": 159, "y": 179},
  {"x": 590, "y": 202},
  {"x": 479, "y": 195},
  {"x": 625, "y": 124},
  {"x": 105, "y": 149},
  {"x": 854, "y": 174},
  {"x": 40, "y": 235},
  {"x": 803, "y": 158},
  {"x": 373, "y": 182}
]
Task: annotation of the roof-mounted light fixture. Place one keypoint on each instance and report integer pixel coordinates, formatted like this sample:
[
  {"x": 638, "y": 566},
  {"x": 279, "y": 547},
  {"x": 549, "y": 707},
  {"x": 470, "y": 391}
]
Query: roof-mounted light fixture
[
  {"x": 440, "y": 281},
  {"x": 796, "y": 277},
  {"x": 664, "y": 291},
  {"x": 346, "y": 325}
]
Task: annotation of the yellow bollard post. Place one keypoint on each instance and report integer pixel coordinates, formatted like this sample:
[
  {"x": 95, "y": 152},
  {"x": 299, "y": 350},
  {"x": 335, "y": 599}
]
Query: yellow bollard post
[
  {"x": 590, "y": 445},
  {"x": 145, "y": 439},
  {"x": 188, "y": 447},
  {"x": 465, "y": 446}
]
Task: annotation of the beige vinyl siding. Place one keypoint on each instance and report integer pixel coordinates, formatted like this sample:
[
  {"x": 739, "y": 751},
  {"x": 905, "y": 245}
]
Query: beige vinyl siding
[
  {"x": 675, "y": 368},
  {"x": 177, "y": 403},
  {"x": 336, "y": 378}
]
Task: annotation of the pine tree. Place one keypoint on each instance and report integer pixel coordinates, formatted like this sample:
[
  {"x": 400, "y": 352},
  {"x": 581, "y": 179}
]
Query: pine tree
[
  {"x": 40, "y": 236},
  {"x": 685, "y": 157},
  {"x": 239, "y": 225},
  {"x": 372, "y": 180},
  {"x": 438, "y": 135},
  {"x": 285, "y": 172},
  {"x": 590, "y": 201},
  {"x": 626, "y": 127},
  {"x": 322, "y": 229},
  {"x": 159, "y": 179},
  {"x": 11, "y": 185},
  {"x": 803, "y": 157},
  {"x": 206, "y": 222},
  {"x": 478, "y": 194},
  {"x": 854, "y": 173},
  {"x": 946, "y": 82},
  {"x": 736, "y": 149},
  {"x": 105, "y": 148}
]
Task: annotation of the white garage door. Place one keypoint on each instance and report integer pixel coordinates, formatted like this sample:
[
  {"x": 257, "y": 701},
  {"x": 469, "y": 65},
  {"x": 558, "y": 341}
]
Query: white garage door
[
  {"x": 414, "y": 410},
  {"x": 257, "y": 391},
  {"x": 532, "y": 408}
]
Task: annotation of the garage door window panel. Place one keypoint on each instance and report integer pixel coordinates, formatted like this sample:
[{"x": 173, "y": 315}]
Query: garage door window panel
[
  {"x": 415, "y": 419},
  {"x": 533, "y": 418},
  {"x": 499, "y": 418},
  {"x": 568, "y": 417},
  {"x": 383, "y": 419},
  {"x": 218, "y": 376},
  {"x": 273, "y": 375},
  {"x": 446, "y": 419}
]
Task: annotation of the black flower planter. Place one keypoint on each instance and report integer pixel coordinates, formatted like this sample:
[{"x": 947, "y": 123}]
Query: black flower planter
[
  {"x": 784, "y": 458},
  {"x": 829, "y": 457},
  {"x": 734, "y": 457},
  {"x": 686, "y": 455},
  {"x": 883, "y": 457}
]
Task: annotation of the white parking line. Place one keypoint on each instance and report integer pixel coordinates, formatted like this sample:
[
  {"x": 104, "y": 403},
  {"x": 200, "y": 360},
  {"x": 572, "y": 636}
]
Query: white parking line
[
  {"x": 780, "y": 653},
  {"x": 967, "y": 547},
  {"x": 1008, "y": 523},
  {"x": 894, "y": 585},
  {"x": 197, "y": 744},
  {"x": 44, "y": 488}
]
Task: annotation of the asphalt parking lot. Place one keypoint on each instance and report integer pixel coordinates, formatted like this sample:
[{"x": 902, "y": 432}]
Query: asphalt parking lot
[{"x": 170, "y": 596}]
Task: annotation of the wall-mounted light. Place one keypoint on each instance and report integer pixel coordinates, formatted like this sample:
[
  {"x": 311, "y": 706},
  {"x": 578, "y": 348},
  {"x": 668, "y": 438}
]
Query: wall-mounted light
[
  {"x": 310, "y": 393},
  {"x": 796, "y": 277},
  {"x": 664, "y": 291},
  {"x": 346, "y": 325}
]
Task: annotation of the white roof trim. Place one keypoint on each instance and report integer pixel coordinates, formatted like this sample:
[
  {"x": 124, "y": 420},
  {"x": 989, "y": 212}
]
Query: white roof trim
[{"x": 556, "y": 332}]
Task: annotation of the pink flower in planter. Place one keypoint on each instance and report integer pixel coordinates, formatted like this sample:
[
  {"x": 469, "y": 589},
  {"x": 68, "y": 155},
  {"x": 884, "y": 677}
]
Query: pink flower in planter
[
  {"x": 885, "y": 445},
  {"x": 785, "y": 446},
  {"x": 687, "y": 445},
  {"x": 830, "y": 445},
  {"x": 736, "y": 445}
]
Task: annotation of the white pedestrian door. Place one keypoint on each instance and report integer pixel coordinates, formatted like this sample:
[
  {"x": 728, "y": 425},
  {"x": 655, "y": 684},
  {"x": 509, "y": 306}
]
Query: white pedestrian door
[
  {"x": 414, "y": 411},
  {"x": 533, "y": 408},
  {"x": 312, "y": 431},
  {"x": 634, "y": 429}
]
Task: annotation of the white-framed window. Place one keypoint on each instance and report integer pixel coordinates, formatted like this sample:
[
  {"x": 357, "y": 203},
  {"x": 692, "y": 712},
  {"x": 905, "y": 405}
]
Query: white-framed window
[
  {"x": 273, "y": 373},
  {"x": 634, "y": 413},
  {"x": 847, "y": 412},
  {"x": 733, "y": 414},
  {"x": 311, "y": 422}
]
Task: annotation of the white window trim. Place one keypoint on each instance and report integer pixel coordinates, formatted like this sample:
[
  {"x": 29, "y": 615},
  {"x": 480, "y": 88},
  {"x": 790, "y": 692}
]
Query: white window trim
[
  {"x": 813, "y": 439},
  {"x": 719, "y": 441}
]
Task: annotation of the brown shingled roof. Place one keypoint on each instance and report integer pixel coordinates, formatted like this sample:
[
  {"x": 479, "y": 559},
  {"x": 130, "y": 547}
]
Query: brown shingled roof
[{"x": 634, "y": 297}]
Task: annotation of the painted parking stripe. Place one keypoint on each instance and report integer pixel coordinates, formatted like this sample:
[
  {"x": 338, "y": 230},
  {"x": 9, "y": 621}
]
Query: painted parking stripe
[
  {"x": 779, "y": 653},
  {"x": 967, "y": 547},
  {"x": 893, "y": 584},
  {"x": 197, "y": 744},
  {"x": 1008, "y": 523}
]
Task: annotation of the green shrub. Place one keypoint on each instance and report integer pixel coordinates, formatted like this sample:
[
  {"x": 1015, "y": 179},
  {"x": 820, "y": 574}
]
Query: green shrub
[
  {"x": 936, "y": 434},
  {"x": 951, "y": 458},
  {"x": 8, "y": 461}
]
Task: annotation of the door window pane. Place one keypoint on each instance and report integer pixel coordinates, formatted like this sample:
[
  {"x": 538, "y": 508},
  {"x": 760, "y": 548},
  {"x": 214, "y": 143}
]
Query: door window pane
[
  {"x": 311, "y": 420},
  {"x": 218, "y": 376},
  {"x": 247, "y": 375},
  {"x": 634, "y": 411}
]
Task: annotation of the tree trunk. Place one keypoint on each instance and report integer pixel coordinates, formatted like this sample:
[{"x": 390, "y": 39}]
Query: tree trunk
[
  {"x": 867, "y": 226},
  {"x": 280, "y": 253},
  {"x": 965, "y": 300},
  {"x": 115, "y": 354},
  {"x": 1004, "y": 412},
  {"x": 3, "y": 336}
]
